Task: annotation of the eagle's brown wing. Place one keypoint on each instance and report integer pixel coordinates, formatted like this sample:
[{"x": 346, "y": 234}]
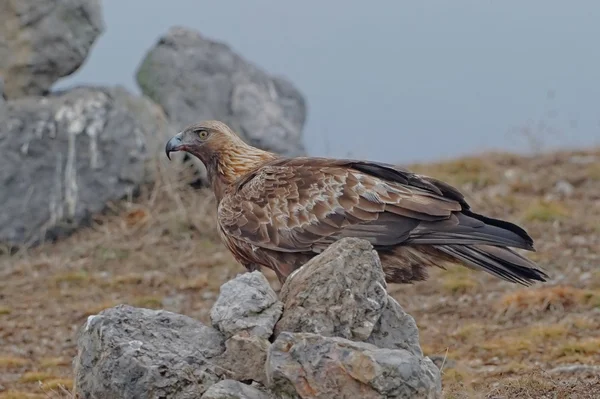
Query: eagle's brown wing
[{"x": 305, "y": 204}]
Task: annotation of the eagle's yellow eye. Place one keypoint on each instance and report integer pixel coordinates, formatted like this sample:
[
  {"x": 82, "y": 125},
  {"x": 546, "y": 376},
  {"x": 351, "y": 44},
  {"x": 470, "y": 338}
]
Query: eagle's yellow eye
[{"x": 203, "y": 134}]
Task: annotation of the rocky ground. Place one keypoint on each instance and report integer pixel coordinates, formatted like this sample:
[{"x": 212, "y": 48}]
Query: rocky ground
[{"x": 491, "y": 339}]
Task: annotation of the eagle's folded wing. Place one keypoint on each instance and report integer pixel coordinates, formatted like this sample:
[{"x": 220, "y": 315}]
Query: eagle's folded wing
[{"x": 299, "y": 205}]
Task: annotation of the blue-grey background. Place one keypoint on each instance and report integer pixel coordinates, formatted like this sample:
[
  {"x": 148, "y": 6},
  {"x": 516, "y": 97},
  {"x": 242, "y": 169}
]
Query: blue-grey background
[{"x": 396, "y": 81}]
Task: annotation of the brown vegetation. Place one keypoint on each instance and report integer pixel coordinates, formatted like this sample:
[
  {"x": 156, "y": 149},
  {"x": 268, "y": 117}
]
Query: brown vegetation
[{"x": 496, "y": 339}]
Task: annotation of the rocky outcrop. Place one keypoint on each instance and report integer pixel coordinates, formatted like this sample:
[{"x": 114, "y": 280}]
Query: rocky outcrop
[
  {"x": 44, "y": 40},
  {"x": 194, "y": 78},
  {"x": 336, "y": 338},
  {"x": 66, "y": 155}
]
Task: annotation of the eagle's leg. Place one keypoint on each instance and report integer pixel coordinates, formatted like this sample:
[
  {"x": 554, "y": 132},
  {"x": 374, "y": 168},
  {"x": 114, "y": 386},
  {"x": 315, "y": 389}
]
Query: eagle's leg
[{"x": 251, "y": 267}]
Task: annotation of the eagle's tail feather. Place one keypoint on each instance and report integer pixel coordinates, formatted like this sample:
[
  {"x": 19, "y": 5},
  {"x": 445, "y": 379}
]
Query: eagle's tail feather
[
  {"x": 499, "y": 261},
  {"x": 407, "y": 264}
]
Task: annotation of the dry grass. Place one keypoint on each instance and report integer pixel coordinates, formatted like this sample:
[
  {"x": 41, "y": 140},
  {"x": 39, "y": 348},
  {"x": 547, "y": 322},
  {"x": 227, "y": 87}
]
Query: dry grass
[
  {"x": 58, "y": 384},
  {"x": 51, "y": 362},
  {"x": 458, "y": 280},
  {"x": 535, "y": 300},
  {"x": 10, "y": 394},
  {"x": 35, "y": 376},
  {"x": 498, "y": 340},
  {"x": 12, "y": 362},
  {"x": 545, "y": 211},
  {"x": 476, "y": 172}
]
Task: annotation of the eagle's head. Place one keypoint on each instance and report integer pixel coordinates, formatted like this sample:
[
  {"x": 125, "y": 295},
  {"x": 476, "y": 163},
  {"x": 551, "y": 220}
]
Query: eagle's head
[
  {"x": 220, "y": 149},
  {"x": 204, "y": 140}
]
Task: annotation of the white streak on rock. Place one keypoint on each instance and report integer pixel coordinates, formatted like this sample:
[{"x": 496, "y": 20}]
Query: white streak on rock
[
  {"x": 55, "y": 202},
  {"x": 89, "y": 321},
  {"x": 71, "y": 190}
]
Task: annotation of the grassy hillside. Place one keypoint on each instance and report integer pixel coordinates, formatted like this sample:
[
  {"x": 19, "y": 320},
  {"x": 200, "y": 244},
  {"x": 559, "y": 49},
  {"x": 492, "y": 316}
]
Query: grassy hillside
[{"x": 493, "y": 338}]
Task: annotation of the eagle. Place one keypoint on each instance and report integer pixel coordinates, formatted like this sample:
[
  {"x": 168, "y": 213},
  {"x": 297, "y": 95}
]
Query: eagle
[{"x": 279, "y": 212}]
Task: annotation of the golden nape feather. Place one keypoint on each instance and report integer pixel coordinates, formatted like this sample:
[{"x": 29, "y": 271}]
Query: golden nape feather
[{"x": 279, "y": 212}]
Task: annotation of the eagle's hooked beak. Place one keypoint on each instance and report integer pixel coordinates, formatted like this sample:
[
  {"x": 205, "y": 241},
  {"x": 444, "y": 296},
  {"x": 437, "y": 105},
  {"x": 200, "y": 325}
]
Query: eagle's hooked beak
[{"x": 174, "y": 145}]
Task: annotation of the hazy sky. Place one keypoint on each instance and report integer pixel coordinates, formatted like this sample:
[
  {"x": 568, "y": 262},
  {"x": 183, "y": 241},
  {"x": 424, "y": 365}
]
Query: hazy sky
[{"x": 396, "y": 81}]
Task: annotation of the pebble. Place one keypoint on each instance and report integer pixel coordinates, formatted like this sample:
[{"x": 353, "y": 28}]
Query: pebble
[
  {"x": 578, "y": 240},
  {"x": 511, "y": 174},
  {"x": 564, "y": 188},
  {"x": 208, "y": 295},
  {"x": 585, "y": 276}
]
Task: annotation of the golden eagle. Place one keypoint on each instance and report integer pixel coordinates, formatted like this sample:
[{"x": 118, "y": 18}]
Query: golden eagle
[{"x": 279, "y": 212}]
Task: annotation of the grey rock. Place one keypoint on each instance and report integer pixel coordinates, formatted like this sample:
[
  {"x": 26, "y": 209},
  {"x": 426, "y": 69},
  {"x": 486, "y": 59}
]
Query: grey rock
[
  {"x": 309, "y": 365},
  {"x": 194, "y": 78},
  {"x": 244, "y": 358},
  {"x": 127, "y": 352},
  {"x": 396, "y": 329},
  {"x": 66, "y": 155},
  {"x": 230, "y": 389},
  {"x": 341, "y": 292},
  {"x": 246, "y": 303},
  {"x": 44, "y": 40}
]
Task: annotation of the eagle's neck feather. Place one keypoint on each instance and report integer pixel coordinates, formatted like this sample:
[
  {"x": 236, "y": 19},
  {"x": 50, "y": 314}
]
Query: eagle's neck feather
[{"x": 233, "y": 162}]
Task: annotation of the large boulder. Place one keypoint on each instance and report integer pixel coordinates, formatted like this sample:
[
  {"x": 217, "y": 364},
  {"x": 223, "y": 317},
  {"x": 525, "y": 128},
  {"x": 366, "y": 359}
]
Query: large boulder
[
  {"x": 332, "y": 355},
  {"x": 194, "y": 78},
  {"x": 127, "y": 352},
  {"x": 44, "y": 40},
  {"x": 65, "y": 156}
]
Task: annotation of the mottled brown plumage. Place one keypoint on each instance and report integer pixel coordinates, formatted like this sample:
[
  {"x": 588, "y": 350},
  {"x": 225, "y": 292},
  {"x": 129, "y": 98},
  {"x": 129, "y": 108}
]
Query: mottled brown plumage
[{"x": 280, "y": 212}]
